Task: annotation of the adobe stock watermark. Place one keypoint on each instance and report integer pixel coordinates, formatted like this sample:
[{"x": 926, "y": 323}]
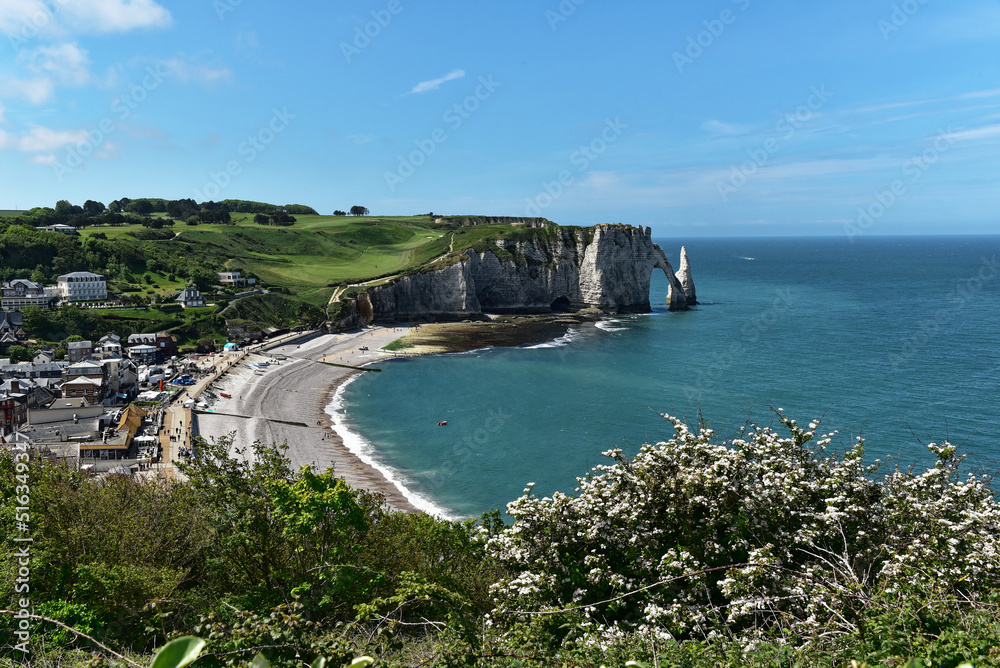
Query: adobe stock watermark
[
  {"x": 249, "y": 150},
  {"x": 364, "y": 34},
  {"x": 122, "y": 107},
  {"x": 562, "y": 13},
  {"x": 900, "y": 16},
  {"x": 929, "y": 328},
  {"x": 698, "y": 43},
  {"x": 581, "y": 159},
  {"x": 789, "y": 124},
  {"x": 32, "y": 26},
  {"x": 914, "y": 168},
  {"x": 22, "y": 553},
  {"x": 750, "y": 333},
  {"x": 223, "y": 7},
  {"x": 454, "y": 117}
]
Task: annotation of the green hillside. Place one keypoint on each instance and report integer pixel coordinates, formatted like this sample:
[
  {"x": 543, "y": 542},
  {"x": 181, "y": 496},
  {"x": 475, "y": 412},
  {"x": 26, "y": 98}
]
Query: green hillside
[
  {"x": 150, "y": 258},
  {"x": 318, "y": 251}
]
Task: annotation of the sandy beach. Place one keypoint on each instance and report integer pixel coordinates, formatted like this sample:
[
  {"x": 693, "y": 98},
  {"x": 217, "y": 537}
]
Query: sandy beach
[{"x": 287, "y": 404}]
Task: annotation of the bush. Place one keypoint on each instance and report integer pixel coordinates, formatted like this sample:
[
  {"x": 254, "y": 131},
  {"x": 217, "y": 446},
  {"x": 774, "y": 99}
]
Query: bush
[{"x": 765, "y": 539}]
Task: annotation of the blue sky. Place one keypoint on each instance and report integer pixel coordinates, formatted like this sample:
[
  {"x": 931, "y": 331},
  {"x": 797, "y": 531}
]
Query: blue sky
[{"x": 729, "y": 117}]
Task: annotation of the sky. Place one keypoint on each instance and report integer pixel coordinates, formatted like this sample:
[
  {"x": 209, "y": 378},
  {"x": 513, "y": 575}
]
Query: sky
[{"x": 715, "y": 118}]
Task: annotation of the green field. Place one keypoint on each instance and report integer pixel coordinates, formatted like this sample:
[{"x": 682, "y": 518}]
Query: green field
[{"x": 318, "y": 252}]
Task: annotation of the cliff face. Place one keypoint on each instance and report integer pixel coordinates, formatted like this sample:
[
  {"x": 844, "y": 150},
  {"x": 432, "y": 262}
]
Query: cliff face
[
  {"x": 684, "y": 276},
  {"x": 608, "y": 267}
]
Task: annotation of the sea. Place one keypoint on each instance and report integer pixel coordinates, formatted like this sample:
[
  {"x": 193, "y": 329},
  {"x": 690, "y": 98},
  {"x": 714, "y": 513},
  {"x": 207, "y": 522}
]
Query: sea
[{"x": 893, "y": 339}]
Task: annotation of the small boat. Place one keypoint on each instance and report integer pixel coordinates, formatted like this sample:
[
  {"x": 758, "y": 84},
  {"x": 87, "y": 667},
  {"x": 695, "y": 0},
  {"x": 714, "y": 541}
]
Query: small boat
[
  {"x": 227, "y": 396},
  {"x": 442, "y": 423}
]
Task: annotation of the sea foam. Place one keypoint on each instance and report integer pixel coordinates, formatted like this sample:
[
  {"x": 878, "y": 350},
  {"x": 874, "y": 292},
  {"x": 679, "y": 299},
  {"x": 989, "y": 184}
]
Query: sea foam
[{"x": 361, "y": 448}]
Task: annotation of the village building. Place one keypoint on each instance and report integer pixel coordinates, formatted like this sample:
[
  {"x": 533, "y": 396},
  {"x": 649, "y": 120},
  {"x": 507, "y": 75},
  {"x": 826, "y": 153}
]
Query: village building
[
  {"x": 90, "y": 436},
  {"x": 165, "y": 344},
  {"x": 190, "y": 298},
  {"x": 20, "y": 293},
  {"x": 11, "y": 330},
  {"x": 77, "y": 351},
  {"x": 59, "y": 227},
  {"x": 122, "y": 377},
  {"x": 13, "y": 412},
  {"x": 143, "y": 354},
  {"x": 82, "y": 286},
  {"x": 87, "y": 380},
  {"x": 109, "y": 343},
  {"x": 86, "y": 388},
  {"x": 56, "y": 433},
  {"x": 38, "y": 392},
  {"x": 235, "y": 278},
  {"x": 51, "y": 370}
]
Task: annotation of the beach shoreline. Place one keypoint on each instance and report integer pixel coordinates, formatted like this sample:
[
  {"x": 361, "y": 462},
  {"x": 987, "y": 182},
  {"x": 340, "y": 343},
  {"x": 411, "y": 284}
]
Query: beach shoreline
[
  {"x": 293, "y": 399},
  {"x": 286, "y": 402}
]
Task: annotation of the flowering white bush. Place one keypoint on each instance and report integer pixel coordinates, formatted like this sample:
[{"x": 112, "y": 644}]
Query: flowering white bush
[{"x": 765, "y": 537}]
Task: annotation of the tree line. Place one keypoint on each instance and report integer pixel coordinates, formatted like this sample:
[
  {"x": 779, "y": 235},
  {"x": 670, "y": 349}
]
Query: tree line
[
  {"x": 126, "y": 211},
  {"x": 356, "y": 210}
]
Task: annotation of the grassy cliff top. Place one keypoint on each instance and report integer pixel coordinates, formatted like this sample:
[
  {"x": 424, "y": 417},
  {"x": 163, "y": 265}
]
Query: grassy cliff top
[{"x": 319, "y": 252}]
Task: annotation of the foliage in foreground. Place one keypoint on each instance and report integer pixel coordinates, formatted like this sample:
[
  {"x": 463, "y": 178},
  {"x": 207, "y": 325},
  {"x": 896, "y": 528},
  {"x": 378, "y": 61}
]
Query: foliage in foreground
[
  {"x": 767, "y": 550},
  {"x": 764, "y": 541}
]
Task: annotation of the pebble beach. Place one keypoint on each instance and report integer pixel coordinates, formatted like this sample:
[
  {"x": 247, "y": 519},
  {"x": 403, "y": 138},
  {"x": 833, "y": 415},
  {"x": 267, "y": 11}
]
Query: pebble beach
[{"x": 286, "y": 402}]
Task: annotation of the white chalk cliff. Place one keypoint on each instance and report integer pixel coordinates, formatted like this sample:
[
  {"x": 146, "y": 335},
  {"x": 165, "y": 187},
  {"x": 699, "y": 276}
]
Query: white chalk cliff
[
  {"x": 684, "y": 276},
  {"x": 606, "y": 267}
]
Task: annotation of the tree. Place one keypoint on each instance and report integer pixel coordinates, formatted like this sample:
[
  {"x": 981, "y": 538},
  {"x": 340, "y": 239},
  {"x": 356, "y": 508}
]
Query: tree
[
  {"x": 359, "y": 211},
  {"x": 338, "y": 212},
  {"x": 92, "y": 208},
  {"x": 203, "y": 278},
  {"x": 262, "y": 219},
  {"x": 36, "y": 322},
  {"x": 18, "y": 353},
  {"x": 282, "y": 219},
  {"x": 143, "y": 207},
  {"x": 115, "y": 206}
]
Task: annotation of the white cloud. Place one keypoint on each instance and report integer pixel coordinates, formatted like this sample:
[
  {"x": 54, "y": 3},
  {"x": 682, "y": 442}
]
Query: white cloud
[
  {"x": 46, "y": 140},
  {"x": 721, "y": 128},
  {"x": 358, "y": 140},
  {"x": 35, "y": 90},
  {"x": 985, "y": 132},
  {"x": 26, "y": 18},
  {"x": 434, "y": 84},
  {"x": 183, "y": 68},
  {"x": 114, "y": 15},
  {"x": 22, "y": 17},
  {"x": 44, "y": 159},
  {"x": 108, "y": 151},
  {"x": 66, "y": 64}
]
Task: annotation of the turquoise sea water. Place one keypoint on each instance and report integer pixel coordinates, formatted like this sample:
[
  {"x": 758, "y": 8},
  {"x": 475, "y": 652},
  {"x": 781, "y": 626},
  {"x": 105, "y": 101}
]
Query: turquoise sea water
[{"x": 895, "y": 339}]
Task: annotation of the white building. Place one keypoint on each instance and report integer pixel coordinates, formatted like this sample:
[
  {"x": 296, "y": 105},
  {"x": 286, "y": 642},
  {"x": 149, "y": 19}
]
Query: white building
[
  {"x": 109, "y": 343},
  {"x": 234, "y": 278},
  {"x": 21, "y": 292},
  {"x": 82, "y": 286}
]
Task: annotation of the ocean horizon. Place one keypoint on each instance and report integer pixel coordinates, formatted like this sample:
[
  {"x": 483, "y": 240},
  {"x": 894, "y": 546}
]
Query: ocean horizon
[{"x": 890, "y": 338}]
